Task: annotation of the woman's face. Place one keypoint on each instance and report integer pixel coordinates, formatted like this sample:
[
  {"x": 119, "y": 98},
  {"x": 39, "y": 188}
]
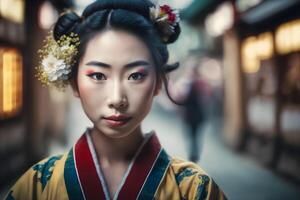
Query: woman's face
[{"x": 116, "y": 82}]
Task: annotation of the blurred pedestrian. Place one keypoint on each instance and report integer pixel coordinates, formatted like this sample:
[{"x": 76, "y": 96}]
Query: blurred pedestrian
[{"x": 195, "y": 112}]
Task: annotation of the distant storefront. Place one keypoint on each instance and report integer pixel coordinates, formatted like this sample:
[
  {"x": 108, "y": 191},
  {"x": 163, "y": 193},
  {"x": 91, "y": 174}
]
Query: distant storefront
[
  {"x": 270, "y": 62},
  {"x": 27, "y": 110},
  {"x": 12, "y": 126},
  {"x": 11, "y": 60},
  {"x": 261, "y": 57}
]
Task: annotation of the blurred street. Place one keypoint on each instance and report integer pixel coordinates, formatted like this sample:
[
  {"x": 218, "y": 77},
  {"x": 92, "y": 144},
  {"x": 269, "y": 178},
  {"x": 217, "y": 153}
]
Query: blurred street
[
  {"x": 239, "y": 79},
  {"x": 239, "y": 176}
]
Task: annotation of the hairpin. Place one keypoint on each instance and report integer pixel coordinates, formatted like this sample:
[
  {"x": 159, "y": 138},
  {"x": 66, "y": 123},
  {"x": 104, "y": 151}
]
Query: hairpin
[
  {"x": 57, "y": 59},
  {"x": 166, "y": 18}
]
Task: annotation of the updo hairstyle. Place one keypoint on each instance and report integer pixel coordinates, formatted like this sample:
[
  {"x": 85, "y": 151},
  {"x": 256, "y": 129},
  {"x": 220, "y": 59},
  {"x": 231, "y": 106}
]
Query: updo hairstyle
[{"x": 130, "y": 15}]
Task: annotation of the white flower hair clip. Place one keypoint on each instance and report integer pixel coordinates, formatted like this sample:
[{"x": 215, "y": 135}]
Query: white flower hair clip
[
  {"x": 166, "y": 18},
  {"x": 57, "y": 59}
]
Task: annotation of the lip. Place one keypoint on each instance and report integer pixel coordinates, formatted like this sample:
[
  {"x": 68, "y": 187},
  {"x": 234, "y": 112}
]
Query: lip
[{"x": 117, "y": 120}]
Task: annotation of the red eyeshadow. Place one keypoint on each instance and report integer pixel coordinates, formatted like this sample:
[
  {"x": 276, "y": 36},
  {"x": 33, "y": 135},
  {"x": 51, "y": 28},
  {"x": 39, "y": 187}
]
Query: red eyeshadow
[
  {"x": 141, "y": 71},
  {"x": 89, "y": 71}
]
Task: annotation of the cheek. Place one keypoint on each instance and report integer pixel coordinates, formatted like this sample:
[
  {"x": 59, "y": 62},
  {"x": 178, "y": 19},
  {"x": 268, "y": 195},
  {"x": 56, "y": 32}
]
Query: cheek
[
  {"x": 84, "y": 86},
  {"x": 142, "y": 95},
  {"x": 89, "y": 94}
]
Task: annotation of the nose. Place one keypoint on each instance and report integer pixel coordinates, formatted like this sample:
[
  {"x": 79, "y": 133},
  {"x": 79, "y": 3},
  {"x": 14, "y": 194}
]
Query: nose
[{"x": 117, "y": 99}]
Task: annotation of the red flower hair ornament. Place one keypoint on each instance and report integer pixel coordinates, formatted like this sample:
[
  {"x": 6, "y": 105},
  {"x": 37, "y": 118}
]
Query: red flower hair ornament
[{"x": 166, "y": 19}]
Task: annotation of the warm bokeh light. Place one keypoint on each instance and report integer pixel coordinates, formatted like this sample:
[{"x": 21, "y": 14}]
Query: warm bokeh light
[
  {"x": 211, "y": 70},
  {"x": 250, "y": 61},
  {"x": 287, "y": 37},
  {"x": 11, "y": 82},
  {"x": 220, "y": 21},
  {"x": 255, "y": 49},
  {"x": 265, "y": 47},
  {"x": 47, "y": 15},
  {"x": 12, "y": 10}
]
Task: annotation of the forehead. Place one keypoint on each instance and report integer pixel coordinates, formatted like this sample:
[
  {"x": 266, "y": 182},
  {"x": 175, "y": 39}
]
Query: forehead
[{"x": 116, "y": 47}]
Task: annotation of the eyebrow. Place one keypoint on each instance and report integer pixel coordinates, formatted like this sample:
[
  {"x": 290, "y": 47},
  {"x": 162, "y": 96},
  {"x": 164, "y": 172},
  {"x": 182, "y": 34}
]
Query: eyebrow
[{"x": 129, "y": 65}]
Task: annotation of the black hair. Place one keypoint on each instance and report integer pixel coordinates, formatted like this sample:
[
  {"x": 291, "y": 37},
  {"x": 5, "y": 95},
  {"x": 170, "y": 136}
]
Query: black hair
[{"x": 130, "y": 15}]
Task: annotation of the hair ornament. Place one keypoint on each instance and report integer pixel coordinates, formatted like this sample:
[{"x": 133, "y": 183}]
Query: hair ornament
[
  {"x": 57, "y": 59},
  {"x": 166, "y": 19}
]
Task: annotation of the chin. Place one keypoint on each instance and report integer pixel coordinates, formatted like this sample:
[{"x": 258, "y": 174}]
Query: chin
[{"x": 114, "y": 132}]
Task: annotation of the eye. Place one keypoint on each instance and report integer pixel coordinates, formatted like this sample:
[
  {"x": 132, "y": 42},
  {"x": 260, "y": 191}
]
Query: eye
[
  {"x": 97, "y": 76},
  {"x": 137, "y": 76}
]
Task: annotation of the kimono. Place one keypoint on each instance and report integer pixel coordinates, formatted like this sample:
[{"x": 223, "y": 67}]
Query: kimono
[{"x": 152, "y": 174}]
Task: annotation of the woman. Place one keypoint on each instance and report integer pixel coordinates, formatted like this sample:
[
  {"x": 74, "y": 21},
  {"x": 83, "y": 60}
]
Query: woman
[{"x": 114, "y": 57}]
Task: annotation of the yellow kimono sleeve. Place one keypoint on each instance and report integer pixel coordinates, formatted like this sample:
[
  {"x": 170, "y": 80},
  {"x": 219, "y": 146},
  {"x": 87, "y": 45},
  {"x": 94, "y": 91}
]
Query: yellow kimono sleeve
[
  {"x": 33, "y": 182},
  {"x": 194, "y": 183},
  {"x": 214, "y": 192}
]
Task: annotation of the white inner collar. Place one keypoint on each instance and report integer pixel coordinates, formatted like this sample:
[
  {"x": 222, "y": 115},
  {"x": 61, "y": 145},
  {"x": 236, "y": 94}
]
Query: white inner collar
[{"x": 99, "y": 170}]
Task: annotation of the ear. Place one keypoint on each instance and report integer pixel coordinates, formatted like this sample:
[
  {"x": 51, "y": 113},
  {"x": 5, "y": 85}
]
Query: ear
[
  {"x": 158, "y": 86},
  {"x": 74, "y": 89}
]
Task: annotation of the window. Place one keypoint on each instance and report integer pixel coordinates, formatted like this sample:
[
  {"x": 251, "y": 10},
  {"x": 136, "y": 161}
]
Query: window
[
  {"x": 11, "y": 84},
  {"x": 13, "y": 10}
]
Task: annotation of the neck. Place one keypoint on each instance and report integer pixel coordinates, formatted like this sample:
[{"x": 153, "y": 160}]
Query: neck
[{"x": 114, "y": 150}]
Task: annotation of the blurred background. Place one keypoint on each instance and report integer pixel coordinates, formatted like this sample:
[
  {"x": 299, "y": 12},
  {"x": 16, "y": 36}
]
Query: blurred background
[{"x": 239, "y": 78}]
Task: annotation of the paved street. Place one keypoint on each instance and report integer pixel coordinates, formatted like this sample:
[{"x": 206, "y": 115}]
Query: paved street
[{"x": 239, "y": 176}]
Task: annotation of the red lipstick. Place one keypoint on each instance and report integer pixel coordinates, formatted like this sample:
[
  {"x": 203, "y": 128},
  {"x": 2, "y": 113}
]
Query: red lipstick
[{"x": 117, "y": 120}]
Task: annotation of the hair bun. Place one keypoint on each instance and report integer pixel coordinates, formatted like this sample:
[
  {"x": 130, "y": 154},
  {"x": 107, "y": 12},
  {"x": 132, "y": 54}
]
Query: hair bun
[
  {"x": 170, "y": 38},
  {"x": 139, "y": 6},
  {"x": 66, "y": 24}
]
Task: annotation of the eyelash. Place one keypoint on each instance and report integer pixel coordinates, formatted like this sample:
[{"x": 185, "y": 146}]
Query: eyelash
[
  {"x": 102, "y": 77},
  {"x": 94, "y": 76},
  {"x": 141, "y": 75}
]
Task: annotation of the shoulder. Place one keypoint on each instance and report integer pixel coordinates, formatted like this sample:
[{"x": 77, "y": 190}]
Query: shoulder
[
  {"x": 45, "y": 167},
  {"x": 194, "y": 182},
  {"x": 33, "y": 182},
  {"x": 180, "y": 166}
]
